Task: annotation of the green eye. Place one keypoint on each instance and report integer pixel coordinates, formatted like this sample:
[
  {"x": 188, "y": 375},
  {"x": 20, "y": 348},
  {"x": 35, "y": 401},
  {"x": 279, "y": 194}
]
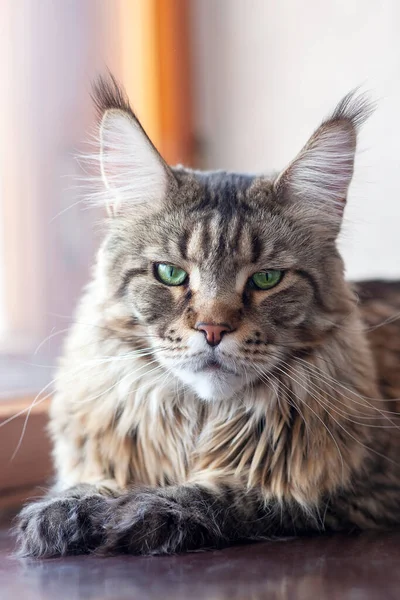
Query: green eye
[
  {"x": 170, "y": 275},
  {"x": 265, "y": 280}
]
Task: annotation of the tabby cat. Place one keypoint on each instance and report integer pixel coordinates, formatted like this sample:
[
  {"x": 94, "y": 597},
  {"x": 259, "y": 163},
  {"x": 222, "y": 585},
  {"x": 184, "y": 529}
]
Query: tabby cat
[{"x": 222, "y": 382}]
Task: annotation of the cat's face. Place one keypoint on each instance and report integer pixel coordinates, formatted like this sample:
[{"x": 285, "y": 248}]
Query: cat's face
[
  {"x": 225, "y": 274},
  {"x": 225, "y": 282}
]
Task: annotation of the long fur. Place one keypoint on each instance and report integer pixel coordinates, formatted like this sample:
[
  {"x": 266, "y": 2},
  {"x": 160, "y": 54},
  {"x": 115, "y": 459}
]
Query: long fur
[{"x": 289, "y": 425}]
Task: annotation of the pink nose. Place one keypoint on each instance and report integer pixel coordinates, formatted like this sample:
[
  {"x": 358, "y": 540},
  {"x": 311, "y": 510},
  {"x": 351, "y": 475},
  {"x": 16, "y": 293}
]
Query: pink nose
[{"x": 213, "y": 331}]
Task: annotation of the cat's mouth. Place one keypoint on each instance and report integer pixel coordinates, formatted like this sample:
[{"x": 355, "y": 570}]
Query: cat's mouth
[
  {"x": 213, "y": 365},
  {"x": 212, "y": 377}
]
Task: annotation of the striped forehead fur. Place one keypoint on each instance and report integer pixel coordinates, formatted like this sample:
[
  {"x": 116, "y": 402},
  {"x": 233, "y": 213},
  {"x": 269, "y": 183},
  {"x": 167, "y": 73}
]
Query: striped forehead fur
[{"x": 220, "y": 232}]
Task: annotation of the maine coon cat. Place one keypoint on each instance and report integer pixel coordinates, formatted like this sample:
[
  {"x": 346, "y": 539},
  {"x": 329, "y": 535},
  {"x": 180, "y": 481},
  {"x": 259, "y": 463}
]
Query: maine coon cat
[{"x": 222, "y": 382}]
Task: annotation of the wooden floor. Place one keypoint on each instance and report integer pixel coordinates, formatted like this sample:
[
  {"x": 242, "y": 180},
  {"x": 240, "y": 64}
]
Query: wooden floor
[{"x": 363, "y": 567}]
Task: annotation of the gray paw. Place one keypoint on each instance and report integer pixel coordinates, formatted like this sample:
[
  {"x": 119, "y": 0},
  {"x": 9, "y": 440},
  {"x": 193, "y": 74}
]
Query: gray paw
[
  {"x": 154, "y": 522},
  {"x": 59, "y": 526}
]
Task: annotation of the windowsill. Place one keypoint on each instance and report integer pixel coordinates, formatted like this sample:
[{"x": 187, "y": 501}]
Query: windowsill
[{"x": 25, "y": 449}]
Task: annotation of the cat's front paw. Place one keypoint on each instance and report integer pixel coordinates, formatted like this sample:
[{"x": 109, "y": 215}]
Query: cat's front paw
[
  {"x": 59, "y": 526},
  {"x": 154, "y": 522}
]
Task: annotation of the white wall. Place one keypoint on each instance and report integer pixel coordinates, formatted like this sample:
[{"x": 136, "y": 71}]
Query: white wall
[{"x": 268, "y": 71}]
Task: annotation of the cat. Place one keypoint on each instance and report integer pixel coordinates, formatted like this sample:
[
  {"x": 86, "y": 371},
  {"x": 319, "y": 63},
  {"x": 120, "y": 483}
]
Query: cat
[{"x": 222, "y": 382}]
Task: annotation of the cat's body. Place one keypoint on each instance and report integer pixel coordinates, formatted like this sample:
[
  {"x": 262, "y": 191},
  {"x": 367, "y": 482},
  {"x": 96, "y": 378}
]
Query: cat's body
[{"x": 212, "y": 410}]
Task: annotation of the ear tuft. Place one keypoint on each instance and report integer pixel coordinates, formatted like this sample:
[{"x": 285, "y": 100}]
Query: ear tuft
[
  {"x": 355, "y": 108},
  {"x": 133, "y": 172},
  {"x": 321, "y": 173},
  {"x": 107, "y": 94}
]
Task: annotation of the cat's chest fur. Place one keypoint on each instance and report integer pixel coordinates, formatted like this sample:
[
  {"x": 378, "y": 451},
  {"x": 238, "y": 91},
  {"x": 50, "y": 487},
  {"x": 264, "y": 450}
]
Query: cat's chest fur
[{"x": 142, "y": 428}]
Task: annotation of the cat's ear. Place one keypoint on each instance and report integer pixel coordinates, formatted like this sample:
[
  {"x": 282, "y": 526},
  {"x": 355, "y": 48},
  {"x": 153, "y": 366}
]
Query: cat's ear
[
  {"x": 133, "y": 172},
  {"x": 320, "y": 175}
]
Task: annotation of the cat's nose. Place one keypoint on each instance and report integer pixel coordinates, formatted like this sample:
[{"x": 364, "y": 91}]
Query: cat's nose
[{"x": 213, "y": 331}]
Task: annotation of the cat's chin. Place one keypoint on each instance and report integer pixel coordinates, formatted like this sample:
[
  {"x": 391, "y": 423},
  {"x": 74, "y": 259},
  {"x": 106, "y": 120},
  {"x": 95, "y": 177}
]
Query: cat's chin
[{"x": 212, "y": 385}]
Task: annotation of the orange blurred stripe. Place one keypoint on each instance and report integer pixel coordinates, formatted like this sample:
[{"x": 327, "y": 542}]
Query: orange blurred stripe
[
  {"x": 155, "y": 69},
  {"x": 175, "y": 80},
  {"x": 139, "y": 61}
]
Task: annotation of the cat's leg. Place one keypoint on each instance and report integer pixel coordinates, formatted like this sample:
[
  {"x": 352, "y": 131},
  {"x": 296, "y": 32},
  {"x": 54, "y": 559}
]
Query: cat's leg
[
  {"x": 65, "y": 522},
  {"x": 188, "y": 517},
  {"x": 191, "y": 517}
]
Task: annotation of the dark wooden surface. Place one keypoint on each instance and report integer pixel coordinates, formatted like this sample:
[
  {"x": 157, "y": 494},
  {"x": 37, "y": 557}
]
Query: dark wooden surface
[{"x": 362, "y": 567}]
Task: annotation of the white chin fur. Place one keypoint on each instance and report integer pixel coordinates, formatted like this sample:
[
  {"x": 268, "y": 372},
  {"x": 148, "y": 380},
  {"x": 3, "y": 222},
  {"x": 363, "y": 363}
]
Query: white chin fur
[{"x": 212, "y": 386}]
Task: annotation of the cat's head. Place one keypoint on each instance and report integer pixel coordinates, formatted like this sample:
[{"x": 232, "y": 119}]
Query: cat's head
[{"x": 226, "y": 274}]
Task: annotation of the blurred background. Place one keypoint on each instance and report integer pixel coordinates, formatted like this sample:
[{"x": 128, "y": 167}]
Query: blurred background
[{"x": 218, "y": 84}]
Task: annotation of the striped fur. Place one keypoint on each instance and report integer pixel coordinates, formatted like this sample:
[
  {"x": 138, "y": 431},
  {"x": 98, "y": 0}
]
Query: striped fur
[{"x": 296, "y": 431}]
